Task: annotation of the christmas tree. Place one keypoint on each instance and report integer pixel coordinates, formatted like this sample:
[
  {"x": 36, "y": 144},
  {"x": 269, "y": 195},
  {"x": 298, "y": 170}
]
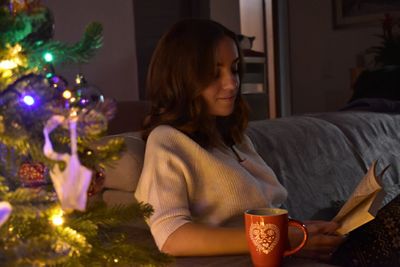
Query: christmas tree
[{"x": 50, "y": 163}]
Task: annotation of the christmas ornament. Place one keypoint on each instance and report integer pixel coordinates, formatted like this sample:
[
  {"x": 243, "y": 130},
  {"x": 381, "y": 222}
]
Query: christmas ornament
[
  {"x": 5, "y": 211},
  {"x": 93, "y": 122},
  {"x": 87, "y": 95},
  {"x": 71, "y": 184},
  {"x": 34, "y": 87},
  {"x": 97, "y": 183},
  {"x": 33, "y": 174},
  {"x": 24, "y": 101}
]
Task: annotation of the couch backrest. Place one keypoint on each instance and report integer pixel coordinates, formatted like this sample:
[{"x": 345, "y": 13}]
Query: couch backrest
[
  {"x": 319, "y": 158},
  {"x": 124, "y": 174}
]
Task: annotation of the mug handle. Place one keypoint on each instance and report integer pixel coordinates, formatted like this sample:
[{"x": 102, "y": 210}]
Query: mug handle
[{"x": 303, "y": 228}]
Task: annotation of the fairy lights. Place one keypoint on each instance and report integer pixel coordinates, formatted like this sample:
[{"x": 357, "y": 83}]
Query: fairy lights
[
  {"x": 67, "y": 94},
  {"x": 13, "y": 58},
  {"x": 48, "y": 57},
  {"x": 57, "y": 218},
  {"x": 28, "y": 100}
]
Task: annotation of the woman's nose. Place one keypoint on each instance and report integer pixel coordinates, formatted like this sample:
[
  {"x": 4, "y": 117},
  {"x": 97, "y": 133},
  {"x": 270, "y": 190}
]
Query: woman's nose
[{"x": 231, "y": 81}]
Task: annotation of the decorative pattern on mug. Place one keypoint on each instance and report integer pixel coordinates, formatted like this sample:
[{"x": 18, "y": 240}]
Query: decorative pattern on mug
[{"x": 264, "y": 236}]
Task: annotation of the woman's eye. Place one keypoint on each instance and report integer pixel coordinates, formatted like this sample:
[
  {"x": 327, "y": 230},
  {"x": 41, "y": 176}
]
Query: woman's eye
[{"x": 235, "y": 68}]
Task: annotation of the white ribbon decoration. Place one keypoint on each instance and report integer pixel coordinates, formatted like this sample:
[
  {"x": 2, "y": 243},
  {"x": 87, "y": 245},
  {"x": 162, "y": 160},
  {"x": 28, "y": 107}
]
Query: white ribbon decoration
[
  {"x": 72, "y": 183},
  {"x": 5, "y": 211}
]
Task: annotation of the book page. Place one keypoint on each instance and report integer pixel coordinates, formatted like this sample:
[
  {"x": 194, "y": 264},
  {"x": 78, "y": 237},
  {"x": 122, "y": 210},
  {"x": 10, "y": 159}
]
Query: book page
[{"x": 363, "y": 203}]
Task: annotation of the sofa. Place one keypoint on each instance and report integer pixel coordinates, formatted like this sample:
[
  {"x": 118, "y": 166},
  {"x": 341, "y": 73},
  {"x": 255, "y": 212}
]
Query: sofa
[{"x": 319, "y": 158}]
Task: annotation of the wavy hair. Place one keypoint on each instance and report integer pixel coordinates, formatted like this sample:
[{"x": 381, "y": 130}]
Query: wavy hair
[{"x": 183, "y": 64}]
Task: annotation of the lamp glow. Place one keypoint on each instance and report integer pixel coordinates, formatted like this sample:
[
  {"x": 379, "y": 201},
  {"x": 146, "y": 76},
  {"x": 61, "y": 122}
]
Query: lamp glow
[{"x": 28, "y": 100}]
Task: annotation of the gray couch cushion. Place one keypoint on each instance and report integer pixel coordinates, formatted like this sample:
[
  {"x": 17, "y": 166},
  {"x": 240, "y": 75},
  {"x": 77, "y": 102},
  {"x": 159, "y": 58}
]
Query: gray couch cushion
[
  {"x": 375, "y": 136},
  {"x": 313, "y": 159}
]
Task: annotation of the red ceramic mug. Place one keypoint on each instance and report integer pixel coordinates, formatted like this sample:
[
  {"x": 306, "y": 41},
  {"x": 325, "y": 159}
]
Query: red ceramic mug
[{"x": 267, "y": 236}]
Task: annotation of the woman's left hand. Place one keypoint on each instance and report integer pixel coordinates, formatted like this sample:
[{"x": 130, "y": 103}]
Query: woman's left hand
[{"x": 322, "y": 239}]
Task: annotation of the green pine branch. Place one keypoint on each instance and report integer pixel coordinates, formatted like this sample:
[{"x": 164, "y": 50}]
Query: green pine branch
[
  {"x": 80, "y": 52},
  {"x": 13, "y": 29},
  {"x": 109, "y": 217}
]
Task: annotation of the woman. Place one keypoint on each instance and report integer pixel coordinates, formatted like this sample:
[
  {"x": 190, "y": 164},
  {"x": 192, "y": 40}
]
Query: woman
[{"x": 201, "y": 171}]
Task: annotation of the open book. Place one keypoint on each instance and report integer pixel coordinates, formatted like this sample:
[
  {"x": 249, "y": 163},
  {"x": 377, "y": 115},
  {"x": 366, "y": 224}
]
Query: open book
[{"x": 363, "y": 203}]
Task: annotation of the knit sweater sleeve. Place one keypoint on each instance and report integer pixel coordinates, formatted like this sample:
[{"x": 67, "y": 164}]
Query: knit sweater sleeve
[{"x": 165, "y": 180}]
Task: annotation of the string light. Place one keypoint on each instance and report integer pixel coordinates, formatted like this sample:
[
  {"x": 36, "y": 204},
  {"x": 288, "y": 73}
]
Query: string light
[
  {"x": 67, "y": 94},
  {"x": 57, "y": 218},
  {"x": 13, "y": 58},
  {"x": 28, "y": 100},
  {"x": 78, "y": 79},
  {"x": 73, "y": 113},
  {"x": 48, "y": 57},
  {"x": 8, "y": 64}
]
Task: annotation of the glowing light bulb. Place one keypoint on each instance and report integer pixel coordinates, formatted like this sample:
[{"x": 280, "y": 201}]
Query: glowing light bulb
[
  {"x": 12, "y": 58},
  {"x": 67, "y": 94},
  {"x": 16, "y": 49},
  {"x": 57, "y": 218},
  {"x": 48, "y": 57},
  {"x": 8, "y": 64},
  {"x": 73, "y": 113},
  {"x": 28, "y": 100},
  {"x": 116, "y": 260}
]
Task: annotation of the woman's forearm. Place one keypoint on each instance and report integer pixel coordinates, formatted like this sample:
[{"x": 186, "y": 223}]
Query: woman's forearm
[{"x": 199, "y": 240}]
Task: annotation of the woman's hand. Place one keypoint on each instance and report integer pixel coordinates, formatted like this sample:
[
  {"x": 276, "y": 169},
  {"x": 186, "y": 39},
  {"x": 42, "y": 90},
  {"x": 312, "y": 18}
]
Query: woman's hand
[{"x": 322, "y": 239}]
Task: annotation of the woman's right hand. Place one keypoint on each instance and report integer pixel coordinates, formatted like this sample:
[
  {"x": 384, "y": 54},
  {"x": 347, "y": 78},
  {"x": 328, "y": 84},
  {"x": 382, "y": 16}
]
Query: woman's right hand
[{"x": 322, "y": 239}]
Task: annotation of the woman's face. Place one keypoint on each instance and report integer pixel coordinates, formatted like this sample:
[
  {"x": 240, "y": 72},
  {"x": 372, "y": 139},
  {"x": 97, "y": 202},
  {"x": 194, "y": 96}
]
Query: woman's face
[{"x": 220, "y": 95}]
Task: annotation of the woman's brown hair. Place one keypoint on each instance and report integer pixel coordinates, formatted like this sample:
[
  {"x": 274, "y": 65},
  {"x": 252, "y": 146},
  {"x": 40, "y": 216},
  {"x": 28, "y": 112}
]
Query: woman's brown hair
[{"x": 183, "y": 64}]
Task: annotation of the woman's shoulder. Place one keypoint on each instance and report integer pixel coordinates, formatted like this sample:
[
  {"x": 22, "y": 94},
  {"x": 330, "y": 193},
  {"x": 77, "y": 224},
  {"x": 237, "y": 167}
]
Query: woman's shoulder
[
  {"x": 167, "y": 134},
  {"x": 163, "y": 130}
]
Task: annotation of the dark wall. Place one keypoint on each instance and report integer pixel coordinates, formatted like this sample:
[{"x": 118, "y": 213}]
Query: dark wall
[{"x": 152, "y": 19}]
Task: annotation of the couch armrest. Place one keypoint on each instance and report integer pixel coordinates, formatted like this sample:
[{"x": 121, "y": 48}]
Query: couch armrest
[{"x": 124, "y": 174}]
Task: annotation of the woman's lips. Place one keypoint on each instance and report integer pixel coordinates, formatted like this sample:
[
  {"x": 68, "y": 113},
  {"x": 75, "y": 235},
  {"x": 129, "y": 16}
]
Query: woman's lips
[{"x": 228, "y": 98}]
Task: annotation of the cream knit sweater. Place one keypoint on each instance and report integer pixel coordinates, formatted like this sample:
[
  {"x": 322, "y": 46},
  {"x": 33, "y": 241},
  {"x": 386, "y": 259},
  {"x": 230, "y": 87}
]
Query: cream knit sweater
[{"x": 187, "y": 183}]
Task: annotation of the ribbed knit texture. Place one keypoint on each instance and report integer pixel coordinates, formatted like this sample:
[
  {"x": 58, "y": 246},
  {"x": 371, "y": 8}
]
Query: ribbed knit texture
[{"x": 186, "y": 183}]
